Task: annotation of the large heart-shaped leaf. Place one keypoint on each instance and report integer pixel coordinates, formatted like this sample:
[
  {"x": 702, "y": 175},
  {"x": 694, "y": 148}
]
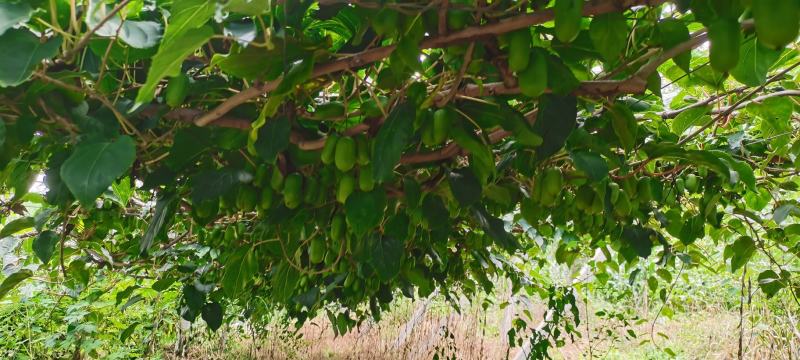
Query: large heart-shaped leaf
[
  {"x": 165, "y": 209},
  {"x": 365, "y": 210},
  {"x": 44, "y": 245},
  {"x": 273, "y": 138},
  {"x": 12, "y": 14},
  {"x": 27, "y": 52},
  {"x": 755, "y": 60},
  {"x": 386, "y": 254},
  {"x": 591, "y": 163},
  {"x": 212, "y": 315},
  {"x": 184, "y": 34},
  {"x": 609, "y": 34},
  {"x": 17, "y": 225},
  {"x": 556, "y": 119},
  {"x": 13, "y": 280},
  {"x": 239, "y": 269},
  {"x": 92, "y": 167},
  {"x": 284, "y": 281},
  {"x": 740, "y": 252},
  {"x": 392, "y": 138},
  {"x": 466, "y": 188},
  {"x": 138, "y": 34}
]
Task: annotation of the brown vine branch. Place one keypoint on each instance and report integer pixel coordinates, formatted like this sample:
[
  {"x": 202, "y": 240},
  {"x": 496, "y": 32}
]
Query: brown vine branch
[
  {"x": 635, "y": 84},
  {"x": 739, "y": 103},
  {"x": 671, "y": 114},
  {"x": 596, "y": 7},
  {"x": 123, "y": 121}
]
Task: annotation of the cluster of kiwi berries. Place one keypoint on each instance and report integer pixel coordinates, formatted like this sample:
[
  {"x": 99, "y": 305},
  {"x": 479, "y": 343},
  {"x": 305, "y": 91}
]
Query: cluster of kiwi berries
[
  {"x": 530, "y": 63},
  {"x": 435, "y": 126},
  {"x": 345, "y": 167},
  {"x": 338, "y": 174},
  {"x": 777, "y": 23},
  {"x": 590, "y": 207}
]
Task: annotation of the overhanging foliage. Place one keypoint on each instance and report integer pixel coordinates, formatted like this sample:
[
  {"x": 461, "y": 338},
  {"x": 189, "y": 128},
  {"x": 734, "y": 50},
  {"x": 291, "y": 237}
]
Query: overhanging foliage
[{"x": 320, "y": 152}]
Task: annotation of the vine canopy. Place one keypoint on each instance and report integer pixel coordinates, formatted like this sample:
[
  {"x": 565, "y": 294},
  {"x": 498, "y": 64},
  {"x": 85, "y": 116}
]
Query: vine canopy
[{"x": 308, "y": 153}]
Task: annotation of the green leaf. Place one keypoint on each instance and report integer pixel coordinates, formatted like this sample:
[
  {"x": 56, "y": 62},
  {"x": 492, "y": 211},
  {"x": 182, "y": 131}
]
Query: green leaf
[
  {"x": 298, "y": 72},
  {"x": 780, "y": 214},
  {"x": 638, "y": 238},
  {"x": 692, "y": 229},
  {"x": 57, "y": 191},
  {"x": 133, "y": 300},
  {"x": 609, "y": 34},
  {"x": 413, "y": 192},
  {"x": 739, "y": 170},
  {"x": 13, "y": 280},
  {"x": 240, "y": 268},
  {"x": 137, "y": 34},
  {"x": 364, "y": 210},
  {"x": 654, "y": 83},
  {"x": 699, "y": 157},
  {"x": 560, "y": 78},
  {"x": 496, "y": 229},
  {"x": 709, "y": 160},
  {"x": 672, "y": 32},
  {"x": 273, "y": 138},
  {"x": 691, "y": 117},
  {"x": 267, "y": 112},
  {"x": 77, "y": 270},
  {"x": 392, "y": 138},
  {"x": 28, "y": 52},
  {"x": 248, "y": 7},
  {"x": 624, "y": 124},
  {"x": 194, "y": 297},
  {"x": 209, "y": 185},
  {"x": 2, "y": 132},
  {"x": 556, "y": 119},
  {"x": 187, "y": 144},
  {"x": 92, "y": 167},
  {"x": 488, "y": 115},
  {"x": 167, "y": 61},
  {"x": 466, "y": 188},
  {"x": 45, "y": 245},
  {"x": 12, "y": 14},
  {"x": 17, "y": 225},
  {"x": 591, "y": 163},
  {"x": 397, "y": 227},
  {"x": 284, "y": 281},
  {"x": 386, "y": 255},
  {"x": 741, "y": 251},
  {"x": 125, "y": 334},
  {"x": 212, "y": 314},
  {"x": 163, "y": 284},
  {"x": 252, "y": 62},
  {"x": 347, "y": 26},
  {"x": 408, "y": 51},
  {"x": 165, "y": 210},
  {"x": 769, "y": 282},
  {"x": 123, "y": 191},
  {"x": 435, "y": 212},
  {"x": 187, "y": 15},
  {"x": 755, "y": 60},
  {"x": 775, "y": 114},
  {"x": 481, "y": 158}
]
